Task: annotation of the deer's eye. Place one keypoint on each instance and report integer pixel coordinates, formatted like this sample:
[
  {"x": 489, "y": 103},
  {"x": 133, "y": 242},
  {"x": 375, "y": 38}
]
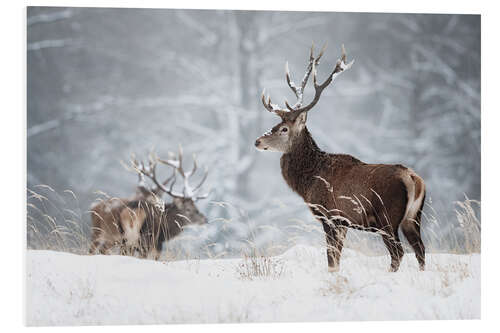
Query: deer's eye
[{"x": 284, "y": 129}]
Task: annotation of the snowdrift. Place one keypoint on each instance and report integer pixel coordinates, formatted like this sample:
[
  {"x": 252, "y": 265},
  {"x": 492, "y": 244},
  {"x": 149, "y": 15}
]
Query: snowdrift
[{"x": 68, "y": 289}]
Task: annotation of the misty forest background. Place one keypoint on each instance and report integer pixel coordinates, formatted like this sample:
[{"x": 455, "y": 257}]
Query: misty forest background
[{"x": 103, "y": 83}]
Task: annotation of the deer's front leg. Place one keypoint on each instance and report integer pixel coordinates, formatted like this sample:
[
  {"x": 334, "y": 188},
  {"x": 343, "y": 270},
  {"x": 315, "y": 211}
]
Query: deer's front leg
[{"x": 335, "y": 236}]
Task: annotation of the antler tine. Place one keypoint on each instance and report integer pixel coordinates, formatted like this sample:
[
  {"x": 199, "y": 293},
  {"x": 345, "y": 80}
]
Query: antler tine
[
  {"x": 152, "y": 157},
  {"x": 312, "y": 63},
  {"x": 184, "y": 175},
  {"x": 340, "y": 67},
  {"x": 133, "y": 160},
  {"x": 152, "y": 161},
  {"x": 297, "y": 108},
  {"x": 141, "y": 186},
  {"x": 290, "y": 108},
  {"x": 171, "y": 189},
  {"x": 198, "y": 187},
  {"x": 272, "y": 107},
  {"x": 165, "y": 183},
  {"x": 169, "y": 163},
  {"x": 139, "y": 168},
  {"x": 343, "y": 56},
  {"x": 299, "y": 91},
  {"x": 150, "y": 172},
  {"x": 141, "y": 177},
  {"x": 323, "y": 49},
  {"x": 267, "y": 104},
  {"x": 180, "y": 168},
  {"x": 195, "y": 167},
  {"x": 290, "y": 83}
]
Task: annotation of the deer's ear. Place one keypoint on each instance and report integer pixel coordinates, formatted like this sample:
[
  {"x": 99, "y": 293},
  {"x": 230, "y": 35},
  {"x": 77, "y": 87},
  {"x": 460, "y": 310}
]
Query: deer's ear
[{"x": 301, "y": 119}]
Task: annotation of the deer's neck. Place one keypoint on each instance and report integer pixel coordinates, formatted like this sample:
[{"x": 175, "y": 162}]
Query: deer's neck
[{"x": 302, "y": 163}]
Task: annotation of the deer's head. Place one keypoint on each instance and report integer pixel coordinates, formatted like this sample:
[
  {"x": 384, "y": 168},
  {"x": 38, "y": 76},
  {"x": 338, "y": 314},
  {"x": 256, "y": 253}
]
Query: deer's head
[
  {"x": 184, "y": 200},
  {"x": 187, "y": 211},
  {"x": 293, "y": 119}
]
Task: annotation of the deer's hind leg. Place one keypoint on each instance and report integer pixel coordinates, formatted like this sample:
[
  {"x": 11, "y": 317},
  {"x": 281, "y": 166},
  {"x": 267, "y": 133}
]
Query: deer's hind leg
[
  {"x": 412, "y": 234},
  {"x": 411, "y": 230}
]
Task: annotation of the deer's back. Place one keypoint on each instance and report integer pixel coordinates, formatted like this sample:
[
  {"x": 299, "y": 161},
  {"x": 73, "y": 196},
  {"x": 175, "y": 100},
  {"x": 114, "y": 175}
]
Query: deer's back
[{"x": 362, "y": 192}]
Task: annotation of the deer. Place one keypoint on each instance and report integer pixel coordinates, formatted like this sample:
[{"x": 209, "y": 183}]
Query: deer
[
  {"x": 341, "y": 191},
  {"x": 166, "y": 221},
  {"x": 117, "y": 221}
]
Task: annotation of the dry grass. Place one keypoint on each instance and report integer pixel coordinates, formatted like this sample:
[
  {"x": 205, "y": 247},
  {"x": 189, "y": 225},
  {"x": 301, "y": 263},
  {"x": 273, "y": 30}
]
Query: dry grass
[
  {"x": 470, "y": 224},
  {"x": 56, "y": 222},
  {"x": 258, "y": 266}
]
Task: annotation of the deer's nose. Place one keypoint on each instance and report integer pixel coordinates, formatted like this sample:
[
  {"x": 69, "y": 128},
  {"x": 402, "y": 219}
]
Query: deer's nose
[{"x": 257, "y": 143}]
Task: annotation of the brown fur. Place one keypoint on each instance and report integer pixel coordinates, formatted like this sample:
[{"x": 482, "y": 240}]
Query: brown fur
[
  {"x": 164, "y": 224},
  {"x": 111, "y": 219},
  {"x": 107, "y": 224}
]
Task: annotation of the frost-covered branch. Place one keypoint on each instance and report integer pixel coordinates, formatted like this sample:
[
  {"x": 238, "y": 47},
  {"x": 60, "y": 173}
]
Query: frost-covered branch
[
  {"x": 48, "y": 43},
  {"x": 49, "y": 17}
]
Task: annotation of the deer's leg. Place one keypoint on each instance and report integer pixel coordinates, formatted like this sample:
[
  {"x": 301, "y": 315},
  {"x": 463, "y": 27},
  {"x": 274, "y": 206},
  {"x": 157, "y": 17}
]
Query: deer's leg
[
  {"x": 104, "y": 247},
  {"x": 411, "y": 230},
  {"x": 157, "y": 250},
  {"x": 96, "y": 241},
  {"x": 335, "y": 236},
  {"x": 99, "y": 245},
  {"x": 395, "y": 248},
  {"x": 94, "y": 246}
]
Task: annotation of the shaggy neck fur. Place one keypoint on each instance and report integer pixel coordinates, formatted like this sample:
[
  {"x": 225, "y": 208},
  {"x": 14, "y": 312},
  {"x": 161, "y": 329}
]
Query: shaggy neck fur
[{"x": 302, "y": 163}]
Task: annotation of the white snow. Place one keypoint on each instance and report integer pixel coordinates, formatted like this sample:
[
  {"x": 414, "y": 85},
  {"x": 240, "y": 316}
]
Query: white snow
[{"x": 68, "y": 289}]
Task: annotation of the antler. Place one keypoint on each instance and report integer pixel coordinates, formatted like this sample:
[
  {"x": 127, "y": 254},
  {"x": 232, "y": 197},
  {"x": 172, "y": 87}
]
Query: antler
[
  {"x": 142, "y": 187},
  {"x": 296, "y": 109},
  {"x": 340, "y": 66},
  {"x": 299, "y": 91},
  {"x": 187, "y": 191},
  {"x": 272, "y": 107},
  {"x": 150, "y": 172}
]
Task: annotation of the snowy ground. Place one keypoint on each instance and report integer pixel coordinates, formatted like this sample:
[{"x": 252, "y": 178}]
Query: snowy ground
[{"x": 67, "y": 289}]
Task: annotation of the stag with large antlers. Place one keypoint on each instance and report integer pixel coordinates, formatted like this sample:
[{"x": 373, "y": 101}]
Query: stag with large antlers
[
  {"x": 140, "y": 222},
  {"x": 341, "y": 191},
  {"x": 166, "y": 221}
]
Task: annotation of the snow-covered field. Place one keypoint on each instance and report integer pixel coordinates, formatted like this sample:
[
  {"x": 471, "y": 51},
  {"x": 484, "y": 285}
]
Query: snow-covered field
[{"x": 68, "y": 289}]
